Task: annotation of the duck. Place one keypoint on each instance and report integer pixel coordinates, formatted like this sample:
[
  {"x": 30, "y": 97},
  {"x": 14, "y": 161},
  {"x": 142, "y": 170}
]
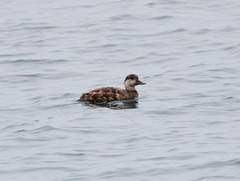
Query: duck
[{"x": 108, "y": 94}]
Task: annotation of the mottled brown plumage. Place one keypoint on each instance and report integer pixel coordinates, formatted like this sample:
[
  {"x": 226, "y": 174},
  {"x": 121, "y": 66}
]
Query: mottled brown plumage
[{"x": 107, "y": 94}]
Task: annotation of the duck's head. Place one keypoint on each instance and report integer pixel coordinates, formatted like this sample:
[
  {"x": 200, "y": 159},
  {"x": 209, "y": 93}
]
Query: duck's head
[{"x": 131, "y": 81}]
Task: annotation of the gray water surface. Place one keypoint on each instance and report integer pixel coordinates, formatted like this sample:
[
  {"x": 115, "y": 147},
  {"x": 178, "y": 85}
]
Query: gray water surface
[{"x": 185, "y": 125}]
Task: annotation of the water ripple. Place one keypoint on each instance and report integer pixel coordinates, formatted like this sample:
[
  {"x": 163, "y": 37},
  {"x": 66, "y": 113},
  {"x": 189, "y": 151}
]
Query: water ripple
[{"x": 184, "y": 124}]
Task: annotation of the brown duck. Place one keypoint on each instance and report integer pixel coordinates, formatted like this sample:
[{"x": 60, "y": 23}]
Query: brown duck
[{"x": 107, "y": 94}]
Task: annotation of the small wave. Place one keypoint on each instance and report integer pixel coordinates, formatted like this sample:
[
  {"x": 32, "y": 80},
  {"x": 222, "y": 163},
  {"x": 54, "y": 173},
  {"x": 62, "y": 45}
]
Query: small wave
[
  {"x": 29, "y": 26},
  {"x": 123, "y": 17},
  {"x": 29, "y": 75},
  {"x": 70, "y": 154},
  {"x": 41, "y": 61},
  {"x": 161, "y": 17},
  {"x": 179, "y": 30},
  {"x": 201, "y": 32},
  {"x": 61, "y": 96},
  {"x": 172, "y": 2},
  {"x": 109, "y": 45},
  {"x": 15, "y": 55},
  {"x": 229, "y": 48}
]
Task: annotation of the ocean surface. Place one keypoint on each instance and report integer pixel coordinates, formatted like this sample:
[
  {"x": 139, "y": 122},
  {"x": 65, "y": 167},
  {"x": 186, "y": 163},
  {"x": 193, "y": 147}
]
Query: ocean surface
[{"x": 185, "y": 125}]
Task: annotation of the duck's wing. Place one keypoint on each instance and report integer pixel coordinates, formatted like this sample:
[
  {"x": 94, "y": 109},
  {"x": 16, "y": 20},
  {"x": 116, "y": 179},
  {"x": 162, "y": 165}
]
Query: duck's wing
[{"x": 105, "y": 94}]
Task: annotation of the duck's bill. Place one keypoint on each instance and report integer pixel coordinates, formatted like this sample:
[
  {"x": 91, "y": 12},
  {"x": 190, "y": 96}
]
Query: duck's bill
[{"x": 140, "y": 82}]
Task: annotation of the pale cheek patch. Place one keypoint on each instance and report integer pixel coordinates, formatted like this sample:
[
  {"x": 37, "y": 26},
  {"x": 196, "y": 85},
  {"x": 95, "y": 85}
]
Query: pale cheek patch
[{"x": 129, "y": 83}]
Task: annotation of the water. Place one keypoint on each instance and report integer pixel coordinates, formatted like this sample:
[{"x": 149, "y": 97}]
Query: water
[{"x": 185, "y": 124}]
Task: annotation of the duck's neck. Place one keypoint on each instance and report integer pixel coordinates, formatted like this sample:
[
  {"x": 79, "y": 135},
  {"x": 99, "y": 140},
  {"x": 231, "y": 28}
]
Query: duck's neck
[
  {"x": 132, "y": 92},
  {"x": 129, "y": 88}
]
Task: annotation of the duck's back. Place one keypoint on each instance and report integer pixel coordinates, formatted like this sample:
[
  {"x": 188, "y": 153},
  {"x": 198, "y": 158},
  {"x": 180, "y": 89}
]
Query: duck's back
[{"x": 107, "y": 94}]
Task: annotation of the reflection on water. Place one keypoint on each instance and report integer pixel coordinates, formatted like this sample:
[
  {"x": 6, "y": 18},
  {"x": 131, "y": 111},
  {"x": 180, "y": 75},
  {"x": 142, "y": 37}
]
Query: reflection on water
[{"x": 124, "y": 104}]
